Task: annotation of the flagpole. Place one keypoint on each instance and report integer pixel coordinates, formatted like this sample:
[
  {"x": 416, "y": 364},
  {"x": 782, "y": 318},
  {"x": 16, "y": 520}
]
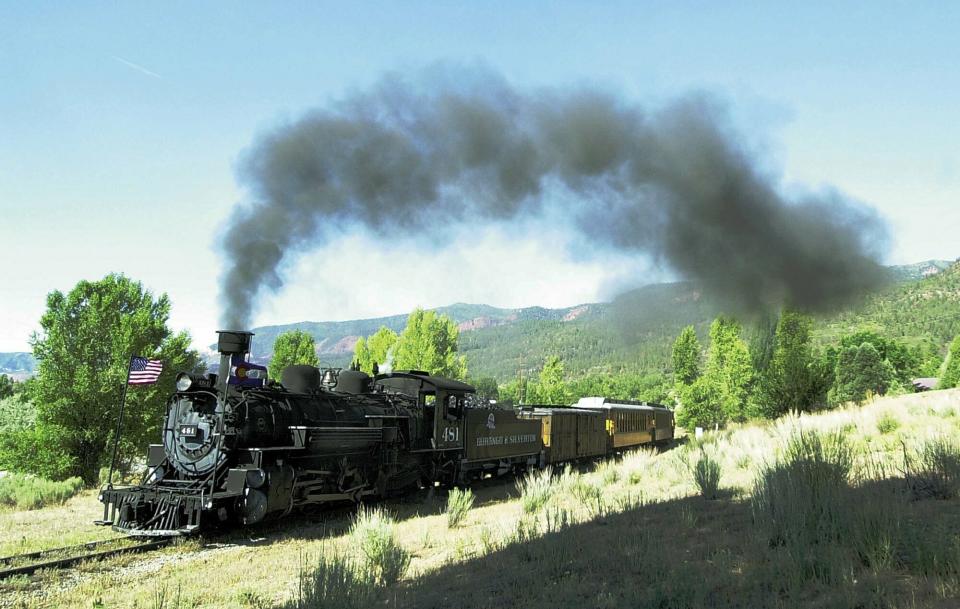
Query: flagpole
[{"x": 116, "y": 435}]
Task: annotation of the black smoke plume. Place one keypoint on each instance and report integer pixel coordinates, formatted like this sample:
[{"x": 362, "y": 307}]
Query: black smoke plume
[{"x": 407, "y": 158}]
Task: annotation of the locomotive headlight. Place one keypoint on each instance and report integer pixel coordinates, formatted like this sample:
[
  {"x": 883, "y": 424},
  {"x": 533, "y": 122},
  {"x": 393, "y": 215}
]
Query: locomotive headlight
[{"x": 184, "y": 381}]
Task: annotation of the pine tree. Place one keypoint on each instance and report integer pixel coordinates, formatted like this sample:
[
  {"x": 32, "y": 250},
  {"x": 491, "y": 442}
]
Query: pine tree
[
  {"x": 792, "y": 381},
  {"x": 860, "y": 372}
]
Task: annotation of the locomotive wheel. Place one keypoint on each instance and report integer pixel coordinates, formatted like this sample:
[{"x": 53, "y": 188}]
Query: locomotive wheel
[{"x": 252, "y": 506}]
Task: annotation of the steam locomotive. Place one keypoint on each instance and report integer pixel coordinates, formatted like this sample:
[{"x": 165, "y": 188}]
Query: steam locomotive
[{"x": 238, "y": 449}]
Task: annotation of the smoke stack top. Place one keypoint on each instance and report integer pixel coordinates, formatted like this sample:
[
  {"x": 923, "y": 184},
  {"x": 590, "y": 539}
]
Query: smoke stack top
[{"x": 409, "y": 157}]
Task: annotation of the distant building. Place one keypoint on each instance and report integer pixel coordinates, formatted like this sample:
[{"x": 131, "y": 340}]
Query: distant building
[{"x": 924, "y": 384}]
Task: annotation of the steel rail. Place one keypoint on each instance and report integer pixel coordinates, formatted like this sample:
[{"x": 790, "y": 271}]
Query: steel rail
[{"x": 37, "y": 561}]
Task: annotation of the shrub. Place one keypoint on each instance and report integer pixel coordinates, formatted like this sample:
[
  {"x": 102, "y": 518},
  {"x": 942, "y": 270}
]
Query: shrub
[
  {"x": 798, "y": 500},
  {"x": 589, "y": 495},
  {"x": 935, "y": 471},
  {"x": 336, "y": 582},
  {"x": 459, "y": 503},
  {"x": 535, "y": 489},
  {"x": 609, "y": 472},
  {"x": 35, "y": 450},
  {"x": 29, "y": 493},
  {"x": 373, "y": 532},
  {"x": 706, "y": 473},
  {"x": 887, "y": 423}
]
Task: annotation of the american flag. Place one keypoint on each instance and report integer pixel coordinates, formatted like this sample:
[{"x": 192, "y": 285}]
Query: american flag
[{"x": 144, "y": 371}]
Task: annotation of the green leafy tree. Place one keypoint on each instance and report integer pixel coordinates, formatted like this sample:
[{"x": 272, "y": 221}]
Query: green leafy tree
[
  {"x": 487, "y": 387},
  {"x": 83, "y": 350},
  {"x": 6, "y": 386},
  {"x": 550, "y": 388},
  {"x": 514, "y": 392},
  {"x": 701, "y": 404},
  {"x": 860, "y": 372},
  {"x": 729, "y": 368},
  {"x": 903, "y": 360},
  {"x": 951, "y": 368},
  {"x": 793, "y": 381},
  {"x": 290, "y": 348},
  {"x": 375, "y": 349},
  {"x": 429, "y": 343},
  {"x": 686, "y": 357},
  {"x": 653, "y": 388},
  {"x": 17, "y": 413},
  {"x": 723, "y": 391}
]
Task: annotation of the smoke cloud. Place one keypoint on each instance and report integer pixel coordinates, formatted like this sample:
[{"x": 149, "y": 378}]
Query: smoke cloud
[{"x": 411, "y": 158}]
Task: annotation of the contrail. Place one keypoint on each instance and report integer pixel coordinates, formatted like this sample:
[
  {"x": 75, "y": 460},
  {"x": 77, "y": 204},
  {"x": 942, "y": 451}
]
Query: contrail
[
  {"x": 137, "y": 67},
  {"x": 411, "y": 157}
]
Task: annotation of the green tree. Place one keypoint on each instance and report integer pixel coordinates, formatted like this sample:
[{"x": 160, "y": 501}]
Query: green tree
[
  {"x": 429, "y": 343},
  {"x": 729, "y": 368},
  {"x": 290, "y": 348},
  {"x": 951, "y": 367},
  {"x": 550, "y": 388},
  {"x": 700, "y": 404},
  {"x": 515, "y": 392},
  {"x": 487, "y": 387},
  {"x": 375, "y": 349},
  {"x": 686, "y": 357},
  {"x": 724, "y": 391},
  {"x": 83, "y": 350},
  {"x": 861, "y": 371},
  {"x": 793, "y": 381},
  {"x": 904, "y": 361},
  {"x": 653, "y": 388},
  {"x": 6, "y": 386}
]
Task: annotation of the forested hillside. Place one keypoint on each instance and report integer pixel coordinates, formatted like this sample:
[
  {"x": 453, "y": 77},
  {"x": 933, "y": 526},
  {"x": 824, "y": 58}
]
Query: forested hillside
[{"x": 920, "y": 311}]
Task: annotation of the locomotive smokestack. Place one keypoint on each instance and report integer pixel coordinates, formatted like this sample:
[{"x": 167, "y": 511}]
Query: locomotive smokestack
[
  {"x": 675, "y": 183},
  {"x": 231, "y": 343}
]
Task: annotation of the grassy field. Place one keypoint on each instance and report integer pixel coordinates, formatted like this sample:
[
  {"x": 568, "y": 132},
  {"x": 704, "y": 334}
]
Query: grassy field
[{"x": 855, "y": 507}]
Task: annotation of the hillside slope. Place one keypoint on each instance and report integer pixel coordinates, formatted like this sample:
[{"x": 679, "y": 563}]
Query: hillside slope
[{"x": 917, "y": 311}]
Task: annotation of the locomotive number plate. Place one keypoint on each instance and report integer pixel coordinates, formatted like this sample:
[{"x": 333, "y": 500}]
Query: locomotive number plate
[{"x": 188, "y": 430}]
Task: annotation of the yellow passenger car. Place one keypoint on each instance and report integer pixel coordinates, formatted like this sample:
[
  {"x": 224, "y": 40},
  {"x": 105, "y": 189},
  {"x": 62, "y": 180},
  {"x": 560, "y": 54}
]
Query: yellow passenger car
[{"x": 629, "y": 424}]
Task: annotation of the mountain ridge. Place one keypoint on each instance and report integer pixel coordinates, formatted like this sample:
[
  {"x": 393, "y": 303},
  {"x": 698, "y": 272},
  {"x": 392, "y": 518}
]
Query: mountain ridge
[{"x": 634, "y": 331}]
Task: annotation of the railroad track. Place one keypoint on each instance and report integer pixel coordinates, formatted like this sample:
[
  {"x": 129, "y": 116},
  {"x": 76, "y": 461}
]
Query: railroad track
[{"x": 59, "y": 558}]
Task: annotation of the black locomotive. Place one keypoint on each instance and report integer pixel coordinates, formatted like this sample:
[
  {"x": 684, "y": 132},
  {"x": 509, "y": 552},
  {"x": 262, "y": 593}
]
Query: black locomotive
[{"x": 236, "y": 448}]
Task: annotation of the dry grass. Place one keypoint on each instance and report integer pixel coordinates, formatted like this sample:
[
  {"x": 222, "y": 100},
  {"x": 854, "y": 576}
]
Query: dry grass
[
  {"x": 629, "y": 533},
  {"x": 52, "y": 527}
]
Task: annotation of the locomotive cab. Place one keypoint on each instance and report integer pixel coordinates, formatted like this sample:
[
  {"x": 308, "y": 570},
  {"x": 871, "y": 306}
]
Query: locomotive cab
[{"x": 442, "y": 402}]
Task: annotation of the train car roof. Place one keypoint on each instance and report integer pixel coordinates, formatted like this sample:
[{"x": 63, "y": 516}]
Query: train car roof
[
  {"x": 545, "y": 410},
  {"x": 426, "y": 380},
  {"x": 597, "y": 403}
]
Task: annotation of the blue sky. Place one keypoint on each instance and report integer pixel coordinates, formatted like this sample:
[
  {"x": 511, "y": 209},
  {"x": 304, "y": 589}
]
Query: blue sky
[{"x": 121, "y": 125}]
